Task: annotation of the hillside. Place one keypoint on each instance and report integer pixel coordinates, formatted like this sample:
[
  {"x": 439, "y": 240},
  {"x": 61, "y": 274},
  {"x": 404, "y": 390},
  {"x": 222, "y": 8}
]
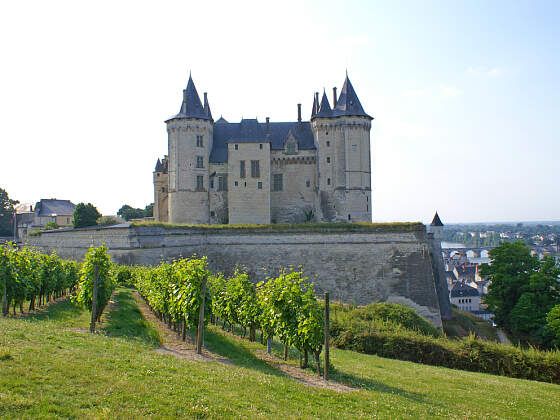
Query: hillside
[{"x": 51, "y": 367}]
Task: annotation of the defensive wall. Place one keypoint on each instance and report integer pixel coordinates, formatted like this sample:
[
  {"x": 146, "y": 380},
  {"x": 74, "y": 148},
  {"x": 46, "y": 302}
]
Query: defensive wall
[{"x": 355, "y": 263}]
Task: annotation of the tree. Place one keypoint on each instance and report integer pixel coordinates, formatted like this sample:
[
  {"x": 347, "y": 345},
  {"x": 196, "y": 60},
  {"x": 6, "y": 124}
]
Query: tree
[
  {"x": 6, "y": 213},
  {"x": 127, "y": 212},
  {"x": 509, "y": 275},
  {"x": 51, "y": 225},
  {"x": 85, "y": 215},
  {"x": 149, "y": 210},
  {"x": 553, "y": 324}
]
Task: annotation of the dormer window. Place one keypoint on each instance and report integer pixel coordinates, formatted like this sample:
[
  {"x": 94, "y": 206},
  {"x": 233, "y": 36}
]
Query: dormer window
[{"x": 291, "y": 148}]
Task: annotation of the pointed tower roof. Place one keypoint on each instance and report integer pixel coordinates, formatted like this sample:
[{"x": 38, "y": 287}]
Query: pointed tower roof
[
  {"x": 191, "y": 106},
  {"x": 348, "y": 103},
  {"x": 159, "y": 166},
  {"x": 315, "y": 107},
  {"x": 325, "y": 108},
  {"x": 207, "y": 111},
  {"x": 436, "y": 221}
]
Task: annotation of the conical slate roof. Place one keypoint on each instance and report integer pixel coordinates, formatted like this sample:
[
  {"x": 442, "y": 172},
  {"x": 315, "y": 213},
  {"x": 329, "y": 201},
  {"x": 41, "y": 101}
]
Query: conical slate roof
[
  {"x": 191, "y": 106},
  {"x": 348, "y": 103},
  {"x": 207, "y": 111},
  {"x": 325, "y": 110},
  {"x": 315, "y": 107},
  {"x": 159, "y": 166},
  {"x": 436, "y": 221}
]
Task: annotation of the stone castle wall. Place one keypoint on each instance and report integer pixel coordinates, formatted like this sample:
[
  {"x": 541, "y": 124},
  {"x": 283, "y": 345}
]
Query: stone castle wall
[{"x": 355, "y": 267}]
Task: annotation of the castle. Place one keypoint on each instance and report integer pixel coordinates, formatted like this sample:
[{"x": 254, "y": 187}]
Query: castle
[{"x": 219, "y": 172}]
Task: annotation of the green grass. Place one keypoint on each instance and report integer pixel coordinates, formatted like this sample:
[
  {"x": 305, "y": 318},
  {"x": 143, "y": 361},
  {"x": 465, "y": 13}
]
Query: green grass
[
  {"x": 289, "y": 227},
  {"x": 51, "y": 368},
  {"x": 464, "y": 323}
]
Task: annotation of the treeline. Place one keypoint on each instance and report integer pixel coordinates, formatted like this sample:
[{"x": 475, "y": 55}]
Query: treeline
[{"x": 284, "y": 306}]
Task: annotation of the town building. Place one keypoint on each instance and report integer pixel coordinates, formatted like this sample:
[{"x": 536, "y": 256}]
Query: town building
[
  {"x": 465, "y": 297},
  {"x": 30, "y": 217},
  {"x": 220, "y": 172}
]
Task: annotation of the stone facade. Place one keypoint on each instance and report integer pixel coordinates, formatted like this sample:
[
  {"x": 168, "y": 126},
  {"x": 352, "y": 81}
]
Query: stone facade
[
  {"x": 361, "y": 266},
  {"x": 318, "y": 170}
]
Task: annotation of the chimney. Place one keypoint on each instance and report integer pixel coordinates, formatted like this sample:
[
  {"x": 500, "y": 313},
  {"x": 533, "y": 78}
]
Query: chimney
[
  {"x": 317, "y": 99},
  {"x": 299, "y": 114},
  {"x": 267, "y": 127},
  {"x": 206, "y": 97},
  {"x": 334, "y": 96}
]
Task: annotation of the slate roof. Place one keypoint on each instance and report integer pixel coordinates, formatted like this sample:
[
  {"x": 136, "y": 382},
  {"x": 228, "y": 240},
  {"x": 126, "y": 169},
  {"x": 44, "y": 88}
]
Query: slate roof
[
  {"x": 466, "y": 270},
  {"x": 347, "y": 104},
  {"x": 461, "y": 289},
  {"x": 253, "y": 131},
  {"x": 52, "y": 207},
  {"x": 436, "y": 221},
  {"x": 191, "y": 106},
  {"x": 450, "y": 274}
]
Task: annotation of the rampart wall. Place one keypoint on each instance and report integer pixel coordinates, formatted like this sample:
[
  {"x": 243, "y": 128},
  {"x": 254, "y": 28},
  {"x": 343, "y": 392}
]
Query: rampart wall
[{"x": 361, "y": 266}]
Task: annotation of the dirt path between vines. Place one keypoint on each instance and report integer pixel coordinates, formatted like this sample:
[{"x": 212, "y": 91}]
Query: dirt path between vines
[{"x": 171, "y": 343}]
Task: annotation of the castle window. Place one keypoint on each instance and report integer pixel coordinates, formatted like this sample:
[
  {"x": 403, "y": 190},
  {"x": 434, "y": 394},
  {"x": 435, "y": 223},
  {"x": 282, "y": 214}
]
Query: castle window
[
  {"x": 158, "y": 174},
  {"x": 199, "y": 141},
  {"x": 212, "y": 214},
  {"x": 354, "y": 147},
  {"x": 255, "y": 169},
  {"x": 307, "y": 183},
  {"x": 260, "y": 146},
  {"x": 260, "y": 186},
  {"x": 236, "y": 183},
  {"x": 328, "y": 143},
  {"x": 222, "y": 183},
  {"x": 328, "y": 159},
  {"x": 328, "y": 181},
  {"x": 199, "y": 183},
  {"x": 236, "y": 147},
  {"x": 277, "y": 182},
  {"x": 291, "y": 148},
  {"x": 241, "y": 169},
  {"x": 211, "y": 183},
  {"x": 199, "y": 162},
  {"x": 349, "y": 218}
]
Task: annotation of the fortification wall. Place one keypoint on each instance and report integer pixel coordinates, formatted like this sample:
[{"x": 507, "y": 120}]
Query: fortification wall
[{"x": 359, "y": 267}]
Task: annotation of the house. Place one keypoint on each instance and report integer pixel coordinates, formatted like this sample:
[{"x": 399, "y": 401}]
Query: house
[{"x": 465, "y": 297}]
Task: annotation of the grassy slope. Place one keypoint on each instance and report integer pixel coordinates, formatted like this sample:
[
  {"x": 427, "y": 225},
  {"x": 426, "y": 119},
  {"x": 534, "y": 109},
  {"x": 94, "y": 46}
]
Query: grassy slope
[
  {"x": 49, "y": 368},
  {"x": 462, "y": 323}
]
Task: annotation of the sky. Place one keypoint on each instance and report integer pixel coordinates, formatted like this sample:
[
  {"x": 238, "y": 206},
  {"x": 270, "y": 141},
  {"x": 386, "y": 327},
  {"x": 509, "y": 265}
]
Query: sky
[{"x": 465, "y": 95}]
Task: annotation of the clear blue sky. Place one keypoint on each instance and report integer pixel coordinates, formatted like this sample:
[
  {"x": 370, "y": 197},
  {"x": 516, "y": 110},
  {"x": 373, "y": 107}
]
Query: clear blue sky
[{"x": 465, "y": 95}]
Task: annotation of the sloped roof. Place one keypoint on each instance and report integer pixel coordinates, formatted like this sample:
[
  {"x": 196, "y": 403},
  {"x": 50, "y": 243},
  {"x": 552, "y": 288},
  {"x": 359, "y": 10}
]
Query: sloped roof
[
  {"x": 253, "y": 131},
  {"x": 461, "y": 289},
  {"x": 191, "y": 107},
  {"x": 348, "y": 103},
  {"x": 436, "y": 221},
  {"x": 325, "y": 110},
  {"x": 54, "y": 207}
]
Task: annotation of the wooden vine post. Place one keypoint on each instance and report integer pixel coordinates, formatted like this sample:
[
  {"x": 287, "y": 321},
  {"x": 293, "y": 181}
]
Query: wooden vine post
[
  {"x": 94, "y": 299},
  {"x": 200, "y": 329},
  {"x": 326, "y": 368}
]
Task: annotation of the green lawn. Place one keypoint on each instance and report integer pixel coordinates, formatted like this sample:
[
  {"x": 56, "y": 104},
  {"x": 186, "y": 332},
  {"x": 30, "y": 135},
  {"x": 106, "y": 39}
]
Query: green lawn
[{"x": 51, "y": 367}]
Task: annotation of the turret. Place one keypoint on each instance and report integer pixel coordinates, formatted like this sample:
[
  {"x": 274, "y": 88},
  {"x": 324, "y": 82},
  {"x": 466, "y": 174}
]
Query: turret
[
  {"x": 342, "y": 135},
  {"x": 161, "y": 190},
  {"x": 436, "y": 227},
  {"x": 190, "y": 135}
]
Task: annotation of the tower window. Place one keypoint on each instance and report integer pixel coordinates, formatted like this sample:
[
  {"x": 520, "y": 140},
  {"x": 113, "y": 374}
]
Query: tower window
[
  {"x": 211, "y": 183},
  {"x": 255, "y": 169},
  {"x": 236, "y": 183},
  {"x": 328, "y": 181},
  {"x": 349, "y": 218},
  {"x": 328, "y": 143},
  {"x": 236, "y": 147},
  {"x": 307, "y": 183},
  {"x": 291, "y": 148},
  {"x": 259, "y": 186},
  {"x": 199, "y": 141},
  {"x": 328, "y": 159},
  {"x": 199, "y": 162},
  {"x": 200, "y": 183},
  {"x": 241, "y": 169},
  {"x": 277, "y": 182},
  {"x": 212, "y": 214},
  {"x": 260, "y": 146}
]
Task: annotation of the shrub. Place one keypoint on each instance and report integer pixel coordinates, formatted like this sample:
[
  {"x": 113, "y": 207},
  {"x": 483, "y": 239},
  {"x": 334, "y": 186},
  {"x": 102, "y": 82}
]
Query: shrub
[
  {"x": 51, "y": 225},
  {"x": 469, "y": 353},
  {"x": 107, "y": 221}
]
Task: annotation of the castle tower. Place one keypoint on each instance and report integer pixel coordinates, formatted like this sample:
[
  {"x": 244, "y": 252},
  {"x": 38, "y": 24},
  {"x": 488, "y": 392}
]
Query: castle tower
[
  {"x": 190, "y": 136},
  {"x": 436, "y": 227},
  {"x": 161, "y": 191},
  {"x": 342, "y": 135}
]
